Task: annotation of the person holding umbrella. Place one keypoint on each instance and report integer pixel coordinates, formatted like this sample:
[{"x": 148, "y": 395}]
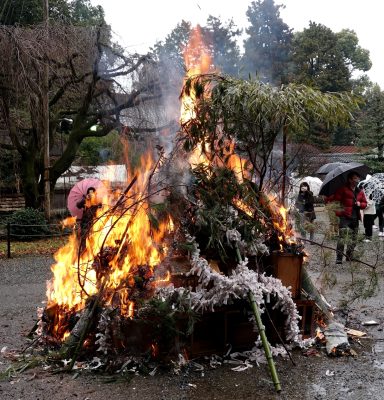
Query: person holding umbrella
[
  {"x": 306, "y": 212},
  {"x": 352, "y": 199}
]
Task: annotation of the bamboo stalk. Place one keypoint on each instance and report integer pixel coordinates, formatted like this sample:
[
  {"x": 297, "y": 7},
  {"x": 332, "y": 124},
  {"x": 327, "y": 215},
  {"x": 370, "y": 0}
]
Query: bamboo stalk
[
  {"x": 264, "y": 340},
  {"x": 309, "y": 287},
  {"x": 263, "y": 336}
]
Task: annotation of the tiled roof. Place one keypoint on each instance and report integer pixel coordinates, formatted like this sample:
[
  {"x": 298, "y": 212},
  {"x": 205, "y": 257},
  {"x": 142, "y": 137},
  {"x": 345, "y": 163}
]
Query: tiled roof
[{"x": 346, "y": 150}]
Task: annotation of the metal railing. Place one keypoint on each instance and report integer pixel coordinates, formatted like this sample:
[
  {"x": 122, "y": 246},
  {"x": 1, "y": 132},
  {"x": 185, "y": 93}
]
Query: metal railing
[{"x": 52, "y": 230}]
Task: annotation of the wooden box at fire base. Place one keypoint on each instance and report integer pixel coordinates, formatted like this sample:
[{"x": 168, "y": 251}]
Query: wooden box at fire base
[
  {"x": 307, "y": 310},
  {"x": 288, "y": 268},
  {"x": 215, "y": 331}
]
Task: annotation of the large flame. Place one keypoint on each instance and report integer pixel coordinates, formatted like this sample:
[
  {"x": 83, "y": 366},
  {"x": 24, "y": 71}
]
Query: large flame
[
  {"x": 198, "y": 61},
  {"x": 123, "y": 235},
  {"x": 281, "y": 222}
]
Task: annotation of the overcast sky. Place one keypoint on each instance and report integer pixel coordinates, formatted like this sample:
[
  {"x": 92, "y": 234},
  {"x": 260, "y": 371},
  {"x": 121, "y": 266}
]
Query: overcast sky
[{"x": 139, "y": 24}]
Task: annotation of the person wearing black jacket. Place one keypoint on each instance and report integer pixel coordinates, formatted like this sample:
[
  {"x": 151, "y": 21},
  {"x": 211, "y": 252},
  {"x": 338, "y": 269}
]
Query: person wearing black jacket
[
  {"x": 306, "y": 211},
  {"x": 380, "y": 215}
]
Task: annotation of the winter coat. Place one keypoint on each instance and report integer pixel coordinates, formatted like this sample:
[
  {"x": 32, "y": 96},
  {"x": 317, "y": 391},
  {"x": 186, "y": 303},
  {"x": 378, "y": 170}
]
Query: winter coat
[
  {"x": 371, "y": 208},
  {"x": 348, "y": 198},
  {"x": 304, "y": 202}
]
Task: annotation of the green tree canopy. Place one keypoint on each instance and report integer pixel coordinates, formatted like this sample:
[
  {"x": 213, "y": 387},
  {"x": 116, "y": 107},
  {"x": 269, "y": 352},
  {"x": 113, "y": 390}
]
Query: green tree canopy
[
  {"x": 371, "y": 121},
  {"x": 252, "y": 115},
  {"x": 170, "y": 51},
  {"x": 266, "y": 50},
  {"x": 221, "y": 39},
  {"x": 355, "y": 57},
  {"x": 30, "y": 12},
  {"x": 326, "y": 60}
]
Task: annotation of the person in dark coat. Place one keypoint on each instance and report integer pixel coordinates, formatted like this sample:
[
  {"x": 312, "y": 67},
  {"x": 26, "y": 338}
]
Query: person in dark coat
[
  {"x": 380, "y": 215},
  {"x": 369, "y": 216},
  {"x": 352, "y": 199},
  {"x": 306, "y": 211}
]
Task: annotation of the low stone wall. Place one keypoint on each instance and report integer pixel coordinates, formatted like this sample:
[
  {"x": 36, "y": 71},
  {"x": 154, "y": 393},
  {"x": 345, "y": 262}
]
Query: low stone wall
[{"x": 11, "y": 202}]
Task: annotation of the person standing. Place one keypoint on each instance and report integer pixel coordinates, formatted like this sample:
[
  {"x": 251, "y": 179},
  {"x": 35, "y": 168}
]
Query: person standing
[
  {"x": 306, "y": 211},
  {"x": 380, "y": 215},
  {"x": 352, "y": 199},
  {"x": 369, "y": 218}
]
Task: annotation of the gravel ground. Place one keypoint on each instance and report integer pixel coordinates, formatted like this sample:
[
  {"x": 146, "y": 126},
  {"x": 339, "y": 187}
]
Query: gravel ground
[{"x": 22, "y": 290}]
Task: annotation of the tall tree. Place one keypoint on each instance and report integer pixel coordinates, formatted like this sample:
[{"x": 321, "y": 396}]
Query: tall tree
[
  {"x": 169, "y": 52},
  {"x": 30, "y": 12},
  {"x": 267, "y": 49},
  {"x": 371, "y": 121},
  {"x": 355, "y": 57},
  {"x": 327, "y": 60},
  {"x": 222, "y": 41},
  {"x": 84, "y": 86}
]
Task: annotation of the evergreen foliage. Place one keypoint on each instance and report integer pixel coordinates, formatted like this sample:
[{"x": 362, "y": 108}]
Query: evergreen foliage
[
  {"x": 267, "y": 49},
  {"x": 370, "y": 123},
  {"x": 30, "y": 12},
  {"x": 28, "y": 224},
  {"x": 253, "y": 114}
]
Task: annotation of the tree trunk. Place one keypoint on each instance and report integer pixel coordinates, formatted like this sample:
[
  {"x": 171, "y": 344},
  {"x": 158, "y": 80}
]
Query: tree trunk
[
  {"x": 284, "y": 167},
  {"x": 29, "y": 177}
]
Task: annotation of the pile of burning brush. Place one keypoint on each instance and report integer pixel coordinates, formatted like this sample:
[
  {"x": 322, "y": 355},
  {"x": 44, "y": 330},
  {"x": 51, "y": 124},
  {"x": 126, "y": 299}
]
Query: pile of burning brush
[
  {"x": 113, "y": 290},
  {"x": 113, "y": 294}
]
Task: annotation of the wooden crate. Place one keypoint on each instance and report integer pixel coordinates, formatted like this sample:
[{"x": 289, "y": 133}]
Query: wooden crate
[
  {"x": 275, "y": 330},
  {"x": 288, "y": 268},
  {"x": 307, "y": 311},
  {"x": 225, "y": 326}
]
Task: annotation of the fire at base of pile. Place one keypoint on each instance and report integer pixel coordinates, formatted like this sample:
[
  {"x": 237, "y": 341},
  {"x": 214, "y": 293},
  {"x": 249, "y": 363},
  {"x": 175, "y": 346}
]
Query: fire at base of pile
[{"x": 159, "y": 317}]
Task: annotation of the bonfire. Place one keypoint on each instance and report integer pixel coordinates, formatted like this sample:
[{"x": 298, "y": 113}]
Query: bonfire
[{"x": 150, "y": 261}]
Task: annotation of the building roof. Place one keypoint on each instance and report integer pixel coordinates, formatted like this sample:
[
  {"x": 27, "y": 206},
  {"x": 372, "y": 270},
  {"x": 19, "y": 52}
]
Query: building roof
[
  {"x": 346, "y": 150},
  {"x": 116, "y": 174}
]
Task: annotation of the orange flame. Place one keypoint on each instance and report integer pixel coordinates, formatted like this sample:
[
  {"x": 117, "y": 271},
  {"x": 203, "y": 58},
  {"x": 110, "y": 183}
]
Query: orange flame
[
  {"x": 68, "y": 222},
  {"x": 281, "y": 221},
  {"x": 127, "y": 230},
  {"x": 198, "y": 61}
]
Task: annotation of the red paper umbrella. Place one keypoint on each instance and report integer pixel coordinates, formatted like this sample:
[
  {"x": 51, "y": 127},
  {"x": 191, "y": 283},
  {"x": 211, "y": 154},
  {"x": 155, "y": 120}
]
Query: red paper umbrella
[{"x": 78, "y": 193}]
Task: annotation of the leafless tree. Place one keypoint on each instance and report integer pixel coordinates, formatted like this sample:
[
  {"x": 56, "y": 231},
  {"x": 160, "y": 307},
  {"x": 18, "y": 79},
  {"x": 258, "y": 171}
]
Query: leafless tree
[{"x": 92, "y": 84}]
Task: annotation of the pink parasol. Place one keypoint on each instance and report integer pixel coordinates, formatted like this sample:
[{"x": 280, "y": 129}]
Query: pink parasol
[{"x": 80, "y": 190}]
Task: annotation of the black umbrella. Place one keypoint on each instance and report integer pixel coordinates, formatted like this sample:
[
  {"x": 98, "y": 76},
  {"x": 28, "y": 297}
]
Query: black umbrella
[
  {"x": 338, "y": 177},
  {"x": 324, "y": 169}
]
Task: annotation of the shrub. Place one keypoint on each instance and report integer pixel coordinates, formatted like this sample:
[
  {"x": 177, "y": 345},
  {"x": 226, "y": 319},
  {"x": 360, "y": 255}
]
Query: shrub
[{"x": 28, "y": 224}]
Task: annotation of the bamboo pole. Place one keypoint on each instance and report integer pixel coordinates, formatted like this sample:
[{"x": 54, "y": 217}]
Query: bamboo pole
[
  {"x": 263, "y": 336},
  {"x": 264, "y": 340},
  {"x": 308, "y": 286}
]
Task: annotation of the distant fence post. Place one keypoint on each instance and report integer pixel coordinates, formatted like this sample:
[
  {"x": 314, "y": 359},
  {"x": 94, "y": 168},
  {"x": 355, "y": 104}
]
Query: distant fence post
[{"x": 8, "y": 239}]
